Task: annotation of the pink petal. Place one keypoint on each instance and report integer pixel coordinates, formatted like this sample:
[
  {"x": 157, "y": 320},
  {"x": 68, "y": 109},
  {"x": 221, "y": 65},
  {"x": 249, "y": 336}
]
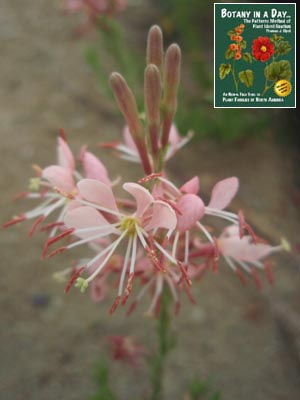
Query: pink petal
[
  {"x": 223, "y": 192},
  {"x": 72, "y": 205},
  {"x": 93, "y": 167},
  {"x": 192, "y": 186},
  {"x": 142, "y": 196},
  {"x": 192, "y": 209},
  {"x": 128, "y": 139},
  {"x": 85, "y": 217},
  {"x": 174, "y": 137},
  {"x": 59, "y": 177},
  {"x": 64, "y": 155},
  {"x": 242, "y": 250},
  {"x": 163, "y": 217},
  {"x": 98, "y": 193}
]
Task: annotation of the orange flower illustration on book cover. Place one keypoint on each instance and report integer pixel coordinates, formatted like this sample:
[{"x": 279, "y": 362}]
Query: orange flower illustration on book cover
[{"x": 269, "y": 51}]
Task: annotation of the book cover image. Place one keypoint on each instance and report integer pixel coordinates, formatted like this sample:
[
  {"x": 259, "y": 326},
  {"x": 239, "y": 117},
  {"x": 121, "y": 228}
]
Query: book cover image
[{"x": 255, "y": 55}]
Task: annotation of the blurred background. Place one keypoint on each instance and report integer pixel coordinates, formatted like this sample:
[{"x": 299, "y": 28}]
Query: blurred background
[{"x": 244, "y": 340}]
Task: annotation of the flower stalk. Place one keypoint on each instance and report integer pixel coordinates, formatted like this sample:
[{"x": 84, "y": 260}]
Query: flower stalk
[{"x": 165, "y": 345}]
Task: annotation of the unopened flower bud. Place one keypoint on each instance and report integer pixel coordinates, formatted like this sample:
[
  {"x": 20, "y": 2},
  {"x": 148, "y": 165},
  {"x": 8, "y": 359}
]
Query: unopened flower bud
[
  {"x": 172, "y": 74},
  {"x": 152, "y": 90},
  {"x": 171, "y": 83},
  {"x": 127, "y": 104},
  {"x": 155, "y": 46}
]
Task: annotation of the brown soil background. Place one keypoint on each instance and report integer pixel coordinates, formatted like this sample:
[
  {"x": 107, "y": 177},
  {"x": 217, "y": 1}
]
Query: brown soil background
[{"x": 245, "y": 340}]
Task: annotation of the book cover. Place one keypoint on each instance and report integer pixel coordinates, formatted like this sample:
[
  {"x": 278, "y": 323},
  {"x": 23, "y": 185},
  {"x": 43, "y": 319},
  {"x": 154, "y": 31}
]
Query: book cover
[{"x": 255, "y": 55}]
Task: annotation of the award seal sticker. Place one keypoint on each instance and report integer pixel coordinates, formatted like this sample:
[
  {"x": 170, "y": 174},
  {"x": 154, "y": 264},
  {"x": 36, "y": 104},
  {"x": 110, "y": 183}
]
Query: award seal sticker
[{"x": 282, "y": 88}]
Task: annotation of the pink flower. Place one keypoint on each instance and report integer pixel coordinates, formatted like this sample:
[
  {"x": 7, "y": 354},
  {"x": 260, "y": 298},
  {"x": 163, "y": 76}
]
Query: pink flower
[
  {"x": 126, "y": 349},
  {"x": 95, "y": 215},
  {"x": 242, "y": 254},
  {"x": 127, "y": 149},
  {"x": 55, "y": 186},
  {"x": 93, "y": 9}
]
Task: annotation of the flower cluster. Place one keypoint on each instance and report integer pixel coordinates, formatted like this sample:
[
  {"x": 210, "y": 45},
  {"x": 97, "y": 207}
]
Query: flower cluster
[
  {"x": 262, "y": 48},
  {"x": 237, "y": 38},
  {"x": 94, "y": 9},
  {"x": 158, "y": 235}
]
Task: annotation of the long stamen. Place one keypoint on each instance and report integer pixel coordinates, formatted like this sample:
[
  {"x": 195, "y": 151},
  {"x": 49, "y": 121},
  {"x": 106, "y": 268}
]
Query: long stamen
[
  {"x": 215, "y": 214},
  {"x": 123, "y": 273},
  {"x": 150, "y": 177},
  {"x": 35, "y": 225},
  {"x": 88, "y": 239},
  {"x": 186, "y": 247},
  {"x": 205, "y": 231},
  {"x": 54, "y": 239},
  {"x": 112, "y": 248},
  {"x": 97, "y": 228},
  {"x": 158, "y": 290},
  {"x": 175, "y": 243},
  {"x": 15, "y": 220},
  {"x": 131, "y": 271},
  {"x": 73, "y": 278}
]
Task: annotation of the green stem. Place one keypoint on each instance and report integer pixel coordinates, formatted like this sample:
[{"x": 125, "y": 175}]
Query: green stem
[
  {"x": 236, "y": 84},
  {"x": 165, "y": 344}
]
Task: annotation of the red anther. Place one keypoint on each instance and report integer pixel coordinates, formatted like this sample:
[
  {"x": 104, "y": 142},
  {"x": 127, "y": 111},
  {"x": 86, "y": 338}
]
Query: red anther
[
  {"x": 244, "y": 226},
  {"x": 109, "y": 145},
  {"x": 150, "y": 177},
  {"x": 216, "y": 255},
  {"x": 50, "y": 226},
  {"x": 115, "y": 305},
  {"x": 54, "y": 239},
  {"x": 256, "y": 279},
  {"x": 69, "y": 196},
  {"x": 128, "y": 288},
  {"x": 36, "y": 224},
  {"x": 172, "y": 205},
  {"x": 57, "y": 251},
  {"x": 62, "y": 134},
  {"x": 177, "y": 307},
  {"x": 241, "y": 276},
  {"x": 184, "y": 274},
  {"x": 131, "y": 308},
  {"x": 155, "y": 261},
  {"x": 73, "y": 278},
  {"x": 16, "y": 220},
  {"x": 20, "y": 195},
  {"x": 268, "y": 272},
  {"x": 241, "y": 223}
]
